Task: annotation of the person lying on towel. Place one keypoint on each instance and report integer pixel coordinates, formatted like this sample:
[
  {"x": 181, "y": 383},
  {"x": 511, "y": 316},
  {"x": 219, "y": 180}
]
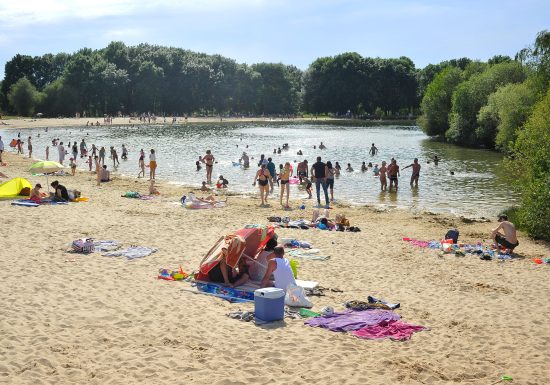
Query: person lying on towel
[
  {"x": 223, "y": 273},
  {"x": 279, "y": 267}
]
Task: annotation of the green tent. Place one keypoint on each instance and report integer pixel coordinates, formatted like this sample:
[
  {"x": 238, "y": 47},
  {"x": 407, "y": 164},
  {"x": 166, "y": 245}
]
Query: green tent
[{"x": 12, "y": 188}]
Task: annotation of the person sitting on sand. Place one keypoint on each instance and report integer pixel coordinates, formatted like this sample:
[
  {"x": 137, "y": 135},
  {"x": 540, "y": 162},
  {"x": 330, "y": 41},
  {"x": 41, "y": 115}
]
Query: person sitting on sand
[
  {"x": 222, "y": 273},
  {"x": 35, "y": 196},
  {"x": 257, "y": 267},
  {"x": 60, "y": 192},
  {"x": 279, "y": 267},
  {"x": 509, "y": 238},
  {"x": 105, "y": 174},
  {"x": 152, "y": 189}
]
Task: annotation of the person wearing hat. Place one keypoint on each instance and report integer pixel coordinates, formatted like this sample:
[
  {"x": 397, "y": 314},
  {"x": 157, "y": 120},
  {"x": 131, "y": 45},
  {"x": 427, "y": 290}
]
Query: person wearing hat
[
  {"x": 35, "y": 194},
  {"x": 508, "y": 238}
]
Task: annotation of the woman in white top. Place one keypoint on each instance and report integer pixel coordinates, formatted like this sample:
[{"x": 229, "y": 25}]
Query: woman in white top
[{"x": 279, "y": 266}]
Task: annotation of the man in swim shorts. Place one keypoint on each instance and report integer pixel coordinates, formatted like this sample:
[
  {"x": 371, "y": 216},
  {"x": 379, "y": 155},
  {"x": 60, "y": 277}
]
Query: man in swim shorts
[
  {"x": 508, "y": 239},
  {"x": 302, "y": 170},
  {"x": 415, "y": 172},
  {"x": 393, "y": 173}
]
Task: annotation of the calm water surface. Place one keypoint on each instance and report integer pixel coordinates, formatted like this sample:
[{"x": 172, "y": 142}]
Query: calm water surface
[{"x": 475, "y": 189}]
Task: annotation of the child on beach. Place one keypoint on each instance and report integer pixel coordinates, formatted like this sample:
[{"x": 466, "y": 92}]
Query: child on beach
[
  {"x": 90, "y": 163},
  {"x": 279, "y": 267},
  {"x": 73, "y": 166},
  {"x": 204, "y": 187},
  {"x": 375, "y": 170},
  {"x": 198, "y": 164},
  {"x": 152, "y": 189},
  {"x": 363, "y": 167},
  {"x": 308, "y": 185}
]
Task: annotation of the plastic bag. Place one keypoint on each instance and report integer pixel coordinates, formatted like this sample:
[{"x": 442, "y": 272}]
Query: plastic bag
[{"x": 296, "y": 297}]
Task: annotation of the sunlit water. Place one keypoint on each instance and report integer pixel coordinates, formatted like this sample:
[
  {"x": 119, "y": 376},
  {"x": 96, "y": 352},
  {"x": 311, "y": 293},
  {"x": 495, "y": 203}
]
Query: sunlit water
[{"x": 475, "y": 189}]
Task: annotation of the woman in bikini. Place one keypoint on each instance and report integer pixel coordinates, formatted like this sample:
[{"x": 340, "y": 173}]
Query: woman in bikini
[
  {"x": 141, "y": 163},
  {"x": 263, "y": 177},
  {"x": 208, "y": 159},
  {"x": 382, "y": 173},
  {"x": 285, "y": 175}
]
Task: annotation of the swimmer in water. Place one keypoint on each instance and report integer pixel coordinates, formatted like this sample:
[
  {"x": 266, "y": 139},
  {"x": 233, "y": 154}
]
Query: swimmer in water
[{"x": 415, "y": 172}]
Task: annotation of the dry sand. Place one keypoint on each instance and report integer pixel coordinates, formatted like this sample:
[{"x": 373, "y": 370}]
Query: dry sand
[{"x": 102, "y": 320}]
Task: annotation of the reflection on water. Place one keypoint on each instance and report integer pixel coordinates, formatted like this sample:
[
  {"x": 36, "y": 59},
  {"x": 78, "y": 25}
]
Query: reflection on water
[{"x": 475, "y": 189}]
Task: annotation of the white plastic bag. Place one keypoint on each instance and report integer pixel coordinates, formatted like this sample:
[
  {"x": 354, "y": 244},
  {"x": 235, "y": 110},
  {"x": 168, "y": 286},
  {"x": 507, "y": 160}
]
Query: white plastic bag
[{"x": 296, "y": 297}]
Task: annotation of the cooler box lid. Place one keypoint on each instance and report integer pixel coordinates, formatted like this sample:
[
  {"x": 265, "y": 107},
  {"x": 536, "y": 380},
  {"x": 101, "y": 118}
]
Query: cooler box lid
[{"x": 269, "y": 292}]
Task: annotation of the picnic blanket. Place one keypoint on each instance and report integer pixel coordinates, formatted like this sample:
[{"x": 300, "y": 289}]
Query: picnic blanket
[
  {"x": 394, "y": 330},
  {"x": 352, "y": 320},
  {"x": 132, "y": 252},
  {"x": 228, "y": 293}
]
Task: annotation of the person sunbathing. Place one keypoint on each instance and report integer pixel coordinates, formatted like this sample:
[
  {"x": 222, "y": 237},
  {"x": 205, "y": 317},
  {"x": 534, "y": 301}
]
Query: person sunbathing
[
  {"x": 210, "y": 199},
  {"x": 223, "y": 273}
]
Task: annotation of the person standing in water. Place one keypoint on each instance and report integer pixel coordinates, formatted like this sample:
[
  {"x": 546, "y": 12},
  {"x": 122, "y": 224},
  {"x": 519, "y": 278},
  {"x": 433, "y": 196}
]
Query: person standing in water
[
  {"x": 29, "y": 146},
  {"x": 382, "y": 172},
  {"x": 319, "y": 173},
  {"x": 208, "y": 159},
  {"x": 373, "y": 150},
  {"x": 245, "y": 159},
  {"x": 415, "y": 172},
  {"x": 393, "y": 173},
  {"x": 285, "y": 175},
  {"x": 102, "y": 155},
  {"x": 152, "y": 164},
  {"x": 330, "y": 180}
]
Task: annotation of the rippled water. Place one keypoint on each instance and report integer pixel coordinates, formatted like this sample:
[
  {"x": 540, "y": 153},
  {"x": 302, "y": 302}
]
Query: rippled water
[{"x": 475, "y": 189}]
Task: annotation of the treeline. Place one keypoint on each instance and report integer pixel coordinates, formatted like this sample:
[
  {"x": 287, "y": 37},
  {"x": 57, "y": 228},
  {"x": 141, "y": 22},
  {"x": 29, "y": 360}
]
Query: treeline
[
  {"x": 166, "y": 80},
  {"x": 502, "y": 104}
]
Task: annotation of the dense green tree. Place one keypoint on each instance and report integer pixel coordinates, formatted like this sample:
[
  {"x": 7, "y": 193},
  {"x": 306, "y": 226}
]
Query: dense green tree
[
  {"x": 531, "y": 166},
  {"x": 473, "y": 94},
  {"x": 436, "y": 103},
  {"x": 506, "y": 111},
  {"x": 24, "y": 97}
]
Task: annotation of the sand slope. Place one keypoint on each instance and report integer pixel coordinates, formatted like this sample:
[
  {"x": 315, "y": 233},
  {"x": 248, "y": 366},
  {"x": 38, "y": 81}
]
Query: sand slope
[{"x": 101, "y": 320}]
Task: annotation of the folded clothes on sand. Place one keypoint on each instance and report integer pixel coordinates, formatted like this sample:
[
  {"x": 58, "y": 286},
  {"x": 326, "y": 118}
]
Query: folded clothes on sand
[
  {"x": 100, "y": 246},
  {"x": 395, "y": 330},
  {"x": 352, "y": 320},
  {"x": 132, "y": 252}
]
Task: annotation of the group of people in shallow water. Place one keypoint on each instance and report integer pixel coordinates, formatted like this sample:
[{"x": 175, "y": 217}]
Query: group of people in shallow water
[{"x": 320, "y": 173}]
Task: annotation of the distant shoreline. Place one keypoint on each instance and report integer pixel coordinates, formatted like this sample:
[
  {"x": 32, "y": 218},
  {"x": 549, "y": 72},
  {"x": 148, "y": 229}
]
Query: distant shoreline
[{"x": 29, "y": 123}]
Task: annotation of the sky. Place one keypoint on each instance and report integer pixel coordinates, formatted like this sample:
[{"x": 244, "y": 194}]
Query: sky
[{"x": 288, "y": 31}]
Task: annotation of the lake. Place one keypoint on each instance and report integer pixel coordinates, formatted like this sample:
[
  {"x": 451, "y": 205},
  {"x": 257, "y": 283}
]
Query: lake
[{"x": 476, "y": 188}]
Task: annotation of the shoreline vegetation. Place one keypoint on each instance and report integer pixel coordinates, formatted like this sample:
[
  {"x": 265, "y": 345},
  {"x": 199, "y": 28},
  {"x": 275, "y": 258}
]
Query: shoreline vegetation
[{"x": 80, "y": 318}]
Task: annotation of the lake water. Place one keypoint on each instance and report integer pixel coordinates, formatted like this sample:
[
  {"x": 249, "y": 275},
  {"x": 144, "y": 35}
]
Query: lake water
[{"x": 475, "y": 189}]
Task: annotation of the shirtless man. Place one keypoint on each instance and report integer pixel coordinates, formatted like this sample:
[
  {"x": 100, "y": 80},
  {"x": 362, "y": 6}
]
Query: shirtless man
[
  {"x": 382, "y": 172},
  {"x": 208, "y": 159},
  {"x": 509, "y": 239},
  {"x": 393, "y": 173},
  {"x": 416, "y": 172},
  {"x": 373, "y": 150},
  {"x": 245, "y": 159},
  {"x": 302, "y": 170}
]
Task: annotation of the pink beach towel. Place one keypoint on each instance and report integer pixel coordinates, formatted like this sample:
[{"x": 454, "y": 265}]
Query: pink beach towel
[{"x": 395, "y": 330}]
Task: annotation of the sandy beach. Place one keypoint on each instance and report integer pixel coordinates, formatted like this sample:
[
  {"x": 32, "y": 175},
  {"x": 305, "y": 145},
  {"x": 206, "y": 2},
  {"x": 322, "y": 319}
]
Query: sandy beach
[{"x": 90, "y": 319}]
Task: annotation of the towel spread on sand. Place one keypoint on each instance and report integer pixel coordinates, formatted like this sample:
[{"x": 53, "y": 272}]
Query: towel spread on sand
[
  {"x": 394, "y": 330},
  {"x": 353, "y": 320},
  {"x": 132, "y": 252},
  {"x": 108, "y": 245},
  {"x": 308, "y": 255}
]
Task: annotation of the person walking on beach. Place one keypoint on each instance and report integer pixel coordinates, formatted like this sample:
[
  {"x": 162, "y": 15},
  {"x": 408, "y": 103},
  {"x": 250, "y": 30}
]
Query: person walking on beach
[
  {"x": 302, "y": 170},
  {"x": 29, "y": 146},
  {"x": 393, "y": 173},
  {"x": 319, "y": 174},
  {"x": 141, "y": 163},
  {"x": 61, "y": 151},
  {"x": 330, "y": 180},
  {"x": 152, "y": 164},
  {"x": 285, "y": 175},
  {"x": 263, "y": 177},
  {"x": 208, "y": 159},
  {"x": 114, "y": 156},
  {"x": 373, "y": 150},
  {"x": 415, "y": 172},
  {"x": 382, "y": 172},
  {"x": 102, "y": 155},
  {"x": 272, "y": 170}
]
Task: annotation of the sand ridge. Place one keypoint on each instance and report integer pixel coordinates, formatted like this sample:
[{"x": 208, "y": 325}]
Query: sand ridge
[{"x": 102, "y": 320}]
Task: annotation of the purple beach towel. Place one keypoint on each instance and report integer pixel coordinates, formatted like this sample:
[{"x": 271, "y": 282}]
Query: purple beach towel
[
  {"x": 395, "y": 330},
  {"x": 353, "y": 320}
]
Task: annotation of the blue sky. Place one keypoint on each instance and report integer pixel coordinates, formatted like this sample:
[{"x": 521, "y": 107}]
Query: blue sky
[{"x": 293, "y": 32}]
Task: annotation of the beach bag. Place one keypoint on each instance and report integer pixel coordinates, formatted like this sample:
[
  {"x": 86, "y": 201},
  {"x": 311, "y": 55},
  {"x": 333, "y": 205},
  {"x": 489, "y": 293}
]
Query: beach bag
[
  {"x": 83, "y": 245},
  {"x": 296, "y": 297},
  {"x": 452, "y": 234}
]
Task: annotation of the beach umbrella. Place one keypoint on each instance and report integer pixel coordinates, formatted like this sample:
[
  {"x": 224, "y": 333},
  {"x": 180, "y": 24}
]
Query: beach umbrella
[{"x": 46, "y": 167}]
